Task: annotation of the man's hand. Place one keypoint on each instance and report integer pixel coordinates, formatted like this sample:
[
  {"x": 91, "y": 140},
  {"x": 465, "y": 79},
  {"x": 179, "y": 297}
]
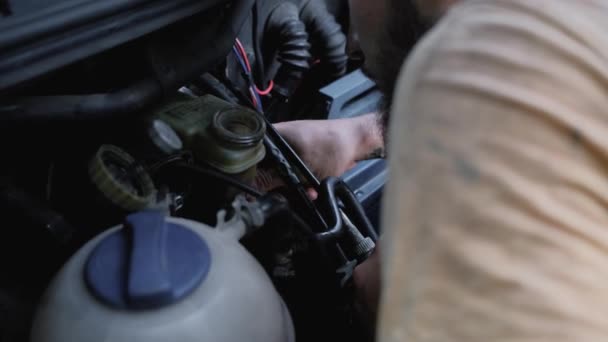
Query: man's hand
[
  {"x": 331, "y": 147},
  {"x": 328, "y": 147}
]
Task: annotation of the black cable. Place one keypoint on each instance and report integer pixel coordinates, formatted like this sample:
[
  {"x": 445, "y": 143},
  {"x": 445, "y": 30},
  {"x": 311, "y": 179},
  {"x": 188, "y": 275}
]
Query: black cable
[
  {"x": 212, "y": 85},
  {"x": 220, "y": 177},
  {"x": 226, "y": 92}
]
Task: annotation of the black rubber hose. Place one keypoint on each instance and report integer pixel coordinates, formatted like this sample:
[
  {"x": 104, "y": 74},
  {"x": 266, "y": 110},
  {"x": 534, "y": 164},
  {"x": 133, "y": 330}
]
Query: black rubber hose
[
  {"x": 326, "y": 36},
  {"x": 355, "y": 212},
  {"x": 128, "y": 100},
  {"x": 331, "y": 190},
  {"x": 327, "y": 195},
  {"x": 82, "y": 107},
  {"x": 294, "y": 50},
  {"x": 211, "y": 85}
]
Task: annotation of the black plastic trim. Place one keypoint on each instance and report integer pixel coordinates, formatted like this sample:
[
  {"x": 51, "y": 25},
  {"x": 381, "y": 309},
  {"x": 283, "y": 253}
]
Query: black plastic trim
[{"x": 57, "y": 36}]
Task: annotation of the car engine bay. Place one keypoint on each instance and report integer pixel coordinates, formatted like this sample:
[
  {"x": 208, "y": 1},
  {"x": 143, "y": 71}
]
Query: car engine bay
[{"x": 110, "y": 108}]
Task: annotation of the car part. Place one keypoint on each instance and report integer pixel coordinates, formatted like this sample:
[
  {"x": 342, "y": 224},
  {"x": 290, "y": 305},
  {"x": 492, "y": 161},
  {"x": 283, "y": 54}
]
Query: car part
[
  {"x": 39, "y": 39},
  {"x": 227, "y": 137},
  {"x": 160, "y": 140},
  {"x": 200, "y": 284},
  {"x": 172, "y": 72},
  {"x": 293, "y": 48},
  {"x": 352, "y": 95},
  {"x": 131, "y": 99},
  {"x": 367, "y": 180},
  {"x": 326, "y": 37},
  {"x": 239, "y": 134},
  {"x": 121, "y": 179}
]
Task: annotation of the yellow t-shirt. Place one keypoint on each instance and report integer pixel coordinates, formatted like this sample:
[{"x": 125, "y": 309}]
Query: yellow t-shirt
[{"x": 496, "y": 212}]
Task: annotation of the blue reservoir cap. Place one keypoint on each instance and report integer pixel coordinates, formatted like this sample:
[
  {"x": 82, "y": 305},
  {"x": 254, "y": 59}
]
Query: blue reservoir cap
[{"x": 148, "y": 264}]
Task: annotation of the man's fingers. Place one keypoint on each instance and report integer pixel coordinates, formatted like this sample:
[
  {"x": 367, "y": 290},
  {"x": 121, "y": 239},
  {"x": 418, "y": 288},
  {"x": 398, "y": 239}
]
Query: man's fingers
[
  {"x": 268, "y": 180},
  {"x": 312, "y": 194}
]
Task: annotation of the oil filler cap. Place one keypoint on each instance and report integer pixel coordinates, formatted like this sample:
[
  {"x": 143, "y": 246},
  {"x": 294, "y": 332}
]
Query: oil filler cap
[{"x": 148, "y": 264}]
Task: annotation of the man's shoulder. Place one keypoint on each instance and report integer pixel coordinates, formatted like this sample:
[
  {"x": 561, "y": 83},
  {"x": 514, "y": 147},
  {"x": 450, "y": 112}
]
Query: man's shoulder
[
  {"x": 496, "y": 37},
  {"x": 561, "y": 24}
]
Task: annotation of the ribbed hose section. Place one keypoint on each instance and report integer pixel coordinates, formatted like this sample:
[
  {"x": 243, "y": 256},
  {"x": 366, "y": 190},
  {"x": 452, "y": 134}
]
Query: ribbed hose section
[
  {"x": 326, "y": 36},
  {"x": 294, "y": 49}
]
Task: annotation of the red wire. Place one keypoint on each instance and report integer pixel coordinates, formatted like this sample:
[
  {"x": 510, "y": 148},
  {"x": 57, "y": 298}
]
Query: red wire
[
  {"x": 267, "y": 90},
  {"x": 241, "y": 49}
]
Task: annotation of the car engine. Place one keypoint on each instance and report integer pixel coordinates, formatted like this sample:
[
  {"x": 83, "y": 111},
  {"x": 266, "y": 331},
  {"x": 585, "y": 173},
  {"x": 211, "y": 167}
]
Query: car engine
[{"x": 111, "y": 108}]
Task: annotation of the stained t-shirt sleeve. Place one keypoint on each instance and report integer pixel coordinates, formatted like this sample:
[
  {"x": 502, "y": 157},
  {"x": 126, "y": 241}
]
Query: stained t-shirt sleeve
[{"x": 496, "y": 211}]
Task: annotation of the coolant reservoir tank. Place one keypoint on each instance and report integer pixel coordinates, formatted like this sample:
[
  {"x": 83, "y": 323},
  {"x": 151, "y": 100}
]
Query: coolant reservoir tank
[{"x": 163, "y": 279}]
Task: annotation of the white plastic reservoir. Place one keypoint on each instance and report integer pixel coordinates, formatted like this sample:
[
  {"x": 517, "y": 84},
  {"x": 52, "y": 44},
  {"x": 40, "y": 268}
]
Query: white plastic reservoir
[{"x": 163, "y": 279}]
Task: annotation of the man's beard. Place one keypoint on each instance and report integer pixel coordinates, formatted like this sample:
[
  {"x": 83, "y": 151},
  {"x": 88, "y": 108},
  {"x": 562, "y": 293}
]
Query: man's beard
[{"x": 404, "y": 27}]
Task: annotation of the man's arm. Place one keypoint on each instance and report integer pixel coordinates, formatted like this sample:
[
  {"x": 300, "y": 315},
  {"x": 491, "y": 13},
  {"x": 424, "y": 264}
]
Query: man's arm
[
  {"x": 372, "y": 137},
  {"x": 331, "y": 147}
]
